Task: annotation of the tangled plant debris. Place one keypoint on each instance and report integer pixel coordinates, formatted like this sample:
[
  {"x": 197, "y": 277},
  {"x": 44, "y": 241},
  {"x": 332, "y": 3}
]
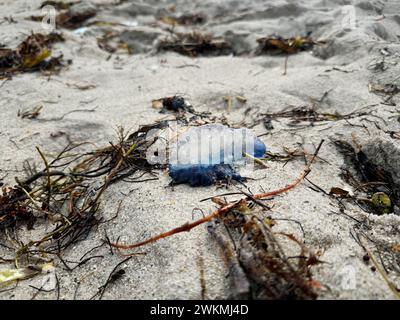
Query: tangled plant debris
[
  {"x": 302, "y": 115},
  {"x": 259, "y": 268},
  {"x": 13, "y": 211},
  {"x": 33, "y": 54},
  {"x": 111, "y": 42},
  {"x": 68, "y": 193},
  {"x": 58, "y": 5},
  {"x": 279, "y": 45},
  {"x": 195, "y": 44},
  {"x": 388, "y": 90},
  {"x": 184, "y": 19},
  {"x": 30, "y": 114},
  {"x": 75, "y": 17},
  {"x": 72, "y": 15}
]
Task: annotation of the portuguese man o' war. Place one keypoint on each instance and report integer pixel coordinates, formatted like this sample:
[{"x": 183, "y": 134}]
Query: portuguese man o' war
[{"x": 206, "y": 154}]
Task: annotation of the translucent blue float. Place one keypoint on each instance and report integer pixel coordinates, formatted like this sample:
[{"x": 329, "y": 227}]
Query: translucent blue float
[{"x": 206, "y": 154}]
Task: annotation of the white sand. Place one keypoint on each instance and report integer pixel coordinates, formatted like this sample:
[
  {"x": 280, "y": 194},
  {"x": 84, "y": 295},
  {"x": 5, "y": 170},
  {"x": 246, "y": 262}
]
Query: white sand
[{"x": 125, "y": 86}]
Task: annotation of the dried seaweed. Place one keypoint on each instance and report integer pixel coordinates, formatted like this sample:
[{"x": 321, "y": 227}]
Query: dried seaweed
[
  {"x": 386, "y": 89},
  {"x": 280, "y": 45},
  {"x": 68, "y": 193},
  {"x": 111, "y": 43},
  {"x": 74, "y": 19},
  {"x": 184, "y": 19},
  {"x": 58, "y": 5},
  {"x": 33, "y": 54},
  {"x": 70, "y": 17},
  {"x": 195, "y": 44},
  {"x": 286, "y": 156},
  {"x": 389, "y": 90},
  {"x": 257, "y": 263},
  {"x": 299, "y": 115},
  {"x": 12, "y": 211},
  {"x": 30, "y": 114}
]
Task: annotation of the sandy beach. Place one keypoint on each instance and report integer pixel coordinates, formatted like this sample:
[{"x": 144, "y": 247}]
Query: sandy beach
[{"x": 347, "y": 84}]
